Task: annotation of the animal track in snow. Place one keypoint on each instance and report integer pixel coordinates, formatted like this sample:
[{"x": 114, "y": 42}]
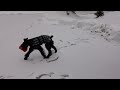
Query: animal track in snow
[{"x": 52, "y": 75}]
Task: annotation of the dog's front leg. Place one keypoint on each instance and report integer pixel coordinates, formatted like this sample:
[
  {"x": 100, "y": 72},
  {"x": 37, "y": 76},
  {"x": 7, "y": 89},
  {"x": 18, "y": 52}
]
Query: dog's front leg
[{"x": 28, "y": 53}]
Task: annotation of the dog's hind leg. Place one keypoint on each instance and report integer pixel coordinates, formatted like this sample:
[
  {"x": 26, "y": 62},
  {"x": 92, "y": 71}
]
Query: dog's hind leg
[
  {"x": 54, "y": 48},
  {"x": 42, "y": 51},
  {"x": 48, "y": 47},
  {"x": 50, "y": 53}
]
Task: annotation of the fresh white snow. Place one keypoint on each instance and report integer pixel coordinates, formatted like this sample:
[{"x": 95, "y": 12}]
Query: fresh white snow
[{"x": 88, "y": 48}]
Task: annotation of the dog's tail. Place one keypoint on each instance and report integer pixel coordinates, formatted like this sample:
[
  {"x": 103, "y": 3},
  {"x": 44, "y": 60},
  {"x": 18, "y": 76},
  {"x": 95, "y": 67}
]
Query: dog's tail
[{"x": 51, "y": 36}]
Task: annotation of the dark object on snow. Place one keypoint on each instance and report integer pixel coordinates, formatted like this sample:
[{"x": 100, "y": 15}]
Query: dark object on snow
[
  {"x": 99, "y": 14},
  {"x": 70, "y": 11},
  {"x": 23, "y": 47},
  {"x": 35, "y": 43}
]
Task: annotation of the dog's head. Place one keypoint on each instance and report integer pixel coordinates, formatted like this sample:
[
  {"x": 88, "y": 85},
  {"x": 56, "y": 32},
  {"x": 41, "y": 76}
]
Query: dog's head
[{"x": 24, "y": 45}]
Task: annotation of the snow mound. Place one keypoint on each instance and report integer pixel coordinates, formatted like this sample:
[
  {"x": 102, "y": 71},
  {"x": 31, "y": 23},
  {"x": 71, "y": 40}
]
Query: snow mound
[{"x": 106, "y": 31}]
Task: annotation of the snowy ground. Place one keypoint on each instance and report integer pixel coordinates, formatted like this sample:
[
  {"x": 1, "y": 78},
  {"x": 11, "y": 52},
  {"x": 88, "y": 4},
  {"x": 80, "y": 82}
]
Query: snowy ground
[{"x": 87, "y": 47}]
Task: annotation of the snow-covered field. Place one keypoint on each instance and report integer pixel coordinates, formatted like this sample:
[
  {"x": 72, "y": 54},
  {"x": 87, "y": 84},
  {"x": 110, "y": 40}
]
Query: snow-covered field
[{"x": 88, "y": 48}]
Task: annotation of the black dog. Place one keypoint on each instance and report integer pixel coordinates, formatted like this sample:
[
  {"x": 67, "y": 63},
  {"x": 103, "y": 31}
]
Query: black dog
[{"x": 35, "y": 43}]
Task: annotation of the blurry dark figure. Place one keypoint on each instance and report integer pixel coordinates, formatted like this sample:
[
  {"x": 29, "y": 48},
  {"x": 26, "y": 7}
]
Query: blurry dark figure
[
  {"x": 67, "y": 12},
  {"x": 35, "y": 43},
  {"x": 70, "y": 11},
  {"x": 73, "y": 12},
  {"x": 99, "y": 14}
]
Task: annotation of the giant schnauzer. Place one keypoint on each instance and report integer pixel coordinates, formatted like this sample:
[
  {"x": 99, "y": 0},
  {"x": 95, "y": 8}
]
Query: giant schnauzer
[{"x": 35, "y": 43}]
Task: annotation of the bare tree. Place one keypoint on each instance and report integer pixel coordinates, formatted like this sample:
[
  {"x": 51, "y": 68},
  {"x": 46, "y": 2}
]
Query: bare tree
[
  {"x": 70, "y": 11},
  {"x": 99, "y": 14}
]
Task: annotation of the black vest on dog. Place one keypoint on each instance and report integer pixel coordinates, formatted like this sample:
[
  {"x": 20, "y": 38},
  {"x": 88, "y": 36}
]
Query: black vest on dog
[{"x": 37, "y": 41}]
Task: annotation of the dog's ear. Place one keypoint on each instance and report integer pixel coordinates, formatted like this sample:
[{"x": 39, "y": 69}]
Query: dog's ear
[{"x": 25, "y": 39}]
